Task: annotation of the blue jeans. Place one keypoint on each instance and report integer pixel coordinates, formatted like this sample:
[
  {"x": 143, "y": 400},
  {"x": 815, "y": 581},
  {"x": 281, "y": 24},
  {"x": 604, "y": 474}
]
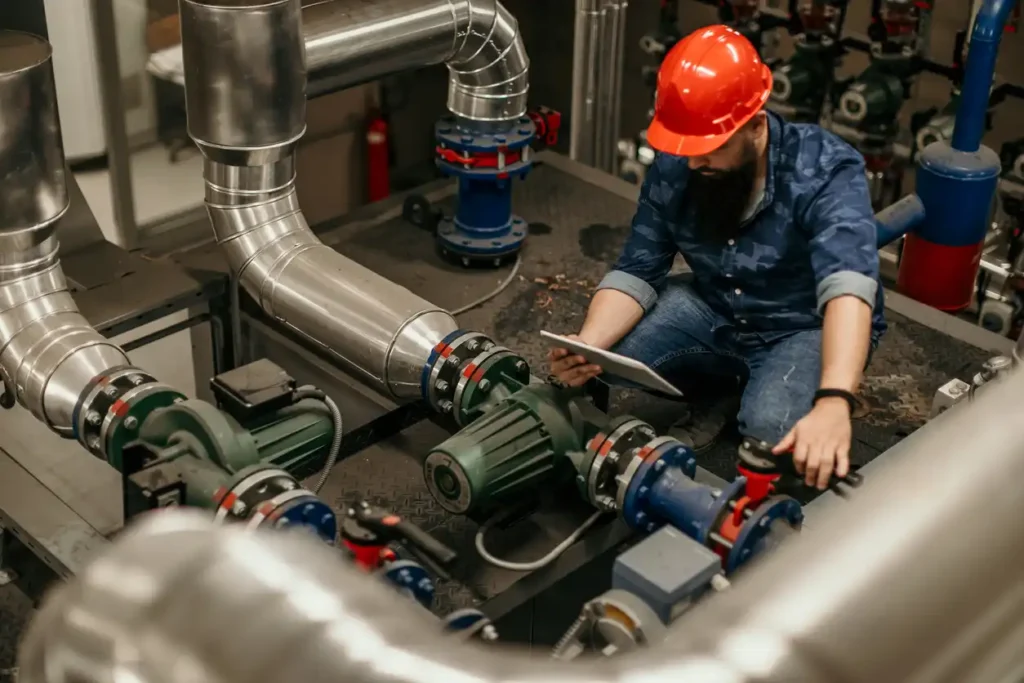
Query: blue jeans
[{"x": 695, "y": 348}]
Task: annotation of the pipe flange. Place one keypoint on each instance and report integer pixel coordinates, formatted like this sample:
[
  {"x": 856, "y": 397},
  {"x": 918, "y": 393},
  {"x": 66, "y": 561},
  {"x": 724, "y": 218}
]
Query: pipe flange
[
  {"x": 458, "y": 243},
  {"x": 123, "y": 403},
  {"x": 666, "y": 447},
  {"x": 472, "y": 373},
  {"x": 236, "y": 501},
  {"x": 593, "y": 450},
  {"x": 656, "y": 461},
  {"x": 481, "y": 375},
  {"x": 442, "y": 370},
  {"x": 465, "y": 152},
  {"x": 757, "y": 527},
  {"x": 432, "y": 392},
  {"x": 113, "y": 407},
  {"x": 81, "y": 418},
  {"x": 296, "y": 508},
  {"x": 411, "y": 579},
  {"x": 626, "y": 433}
]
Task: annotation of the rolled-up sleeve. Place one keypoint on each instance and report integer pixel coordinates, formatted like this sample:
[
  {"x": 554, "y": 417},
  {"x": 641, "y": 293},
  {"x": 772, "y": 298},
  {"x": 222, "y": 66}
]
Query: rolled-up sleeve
[
  {"x": 649, "y": 251},
  {"x": 844, "y": 251}
]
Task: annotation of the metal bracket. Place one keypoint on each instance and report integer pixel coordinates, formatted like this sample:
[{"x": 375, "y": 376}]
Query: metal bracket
[{"x": 948, "y": 395}]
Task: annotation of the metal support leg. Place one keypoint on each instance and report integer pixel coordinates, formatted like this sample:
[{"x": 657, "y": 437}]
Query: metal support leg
[{"x": 115, "y": 126}]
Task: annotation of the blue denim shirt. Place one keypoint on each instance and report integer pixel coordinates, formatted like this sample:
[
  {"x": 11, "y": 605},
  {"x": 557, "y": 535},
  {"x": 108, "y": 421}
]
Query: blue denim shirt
[{"x": 810, "y": 239}]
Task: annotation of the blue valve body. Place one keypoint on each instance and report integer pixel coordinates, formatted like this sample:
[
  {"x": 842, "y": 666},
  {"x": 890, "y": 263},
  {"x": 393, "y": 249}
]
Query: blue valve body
[{"x": 485, "y": 160}]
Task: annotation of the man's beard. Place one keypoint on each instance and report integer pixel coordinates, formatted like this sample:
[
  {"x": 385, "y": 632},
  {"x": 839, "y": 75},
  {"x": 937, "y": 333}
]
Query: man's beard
[{"x": 720, "y": 199}]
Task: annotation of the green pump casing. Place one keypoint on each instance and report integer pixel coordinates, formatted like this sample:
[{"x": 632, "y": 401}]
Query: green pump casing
[
  {"x": 512, "y": 448},
  {"x": 216, "y": 450}
]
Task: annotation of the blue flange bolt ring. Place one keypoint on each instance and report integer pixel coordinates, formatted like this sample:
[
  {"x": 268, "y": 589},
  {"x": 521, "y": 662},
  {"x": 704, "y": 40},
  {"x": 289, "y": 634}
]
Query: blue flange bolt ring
[
  {"x": 412, "y": 579},
  {"x": 757, "y": 527},
  {"x": 485, "y": 161}
]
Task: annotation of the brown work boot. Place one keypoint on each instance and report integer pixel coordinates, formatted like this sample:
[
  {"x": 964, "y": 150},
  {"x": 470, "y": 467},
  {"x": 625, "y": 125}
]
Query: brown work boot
[{"x": 701, "y": 425}]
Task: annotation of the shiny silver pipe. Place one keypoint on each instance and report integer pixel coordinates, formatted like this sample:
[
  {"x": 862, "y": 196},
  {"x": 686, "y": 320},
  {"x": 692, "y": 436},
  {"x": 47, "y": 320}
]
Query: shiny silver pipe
[
  {"x": 245, "y": 65},
  {"x": 585, "y": 87},
  {"x": 247, "y": 61},
  {"x": 915, "y": 578},
  {"x": 599, "y": 51},
  {"x": 479, "y": 40},
  {"x": 381, "y": 332},
  {"x": 49, "y": 353},
  {"x": 612, "y": 60}
]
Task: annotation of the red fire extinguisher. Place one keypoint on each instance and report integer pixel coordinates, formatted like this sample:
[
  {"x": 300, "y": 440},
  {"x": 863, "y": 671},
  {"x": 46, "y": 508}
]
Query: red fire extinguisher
[{"x": 377, "y": 156}]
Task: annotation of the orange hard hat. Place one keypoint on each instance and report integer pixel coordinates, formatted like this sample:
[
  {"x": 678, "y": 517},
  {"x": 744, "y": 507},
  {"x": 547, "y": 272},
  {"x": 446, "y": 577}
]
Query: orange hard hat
[{"x": 710, "y": 84}]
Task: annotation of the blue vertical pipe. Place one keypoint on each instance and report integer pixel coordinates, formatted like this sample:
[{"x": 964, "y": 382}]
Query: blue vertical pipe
[
  {"x": 979, "y": 73},
  {"x": 896, "y": 220}
]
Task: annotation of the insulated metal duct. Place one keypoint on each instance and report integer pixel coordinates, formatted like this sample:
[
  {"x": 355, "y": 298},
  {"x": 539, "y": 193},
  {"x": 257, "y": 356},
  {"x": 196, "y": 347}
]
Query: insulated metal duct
[
  {"x": 909, "y": 580},
  {"x": 245, "y": 65},
  {"x": 49, "y": 353},
  {"x": 354, "y": 42}
]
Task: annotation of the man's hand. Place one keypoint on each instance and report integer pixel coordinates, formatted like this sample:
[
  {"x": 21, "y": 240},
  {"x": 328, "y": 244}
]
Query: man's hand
[
  {"x": 570, "y": 369},
  {"x": 820, "y": 442}
]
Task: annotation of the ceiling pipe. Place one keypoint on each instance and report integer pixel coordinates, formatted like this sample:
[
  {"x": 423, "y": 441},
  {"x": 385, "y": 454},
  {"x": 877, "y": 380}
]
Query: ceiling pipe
[
  {"x": 908, "y": 580},
  {"x": 354, "y": 42},
  {"x": 50, "y": 356},
  {"x": 246, "y": 65}
]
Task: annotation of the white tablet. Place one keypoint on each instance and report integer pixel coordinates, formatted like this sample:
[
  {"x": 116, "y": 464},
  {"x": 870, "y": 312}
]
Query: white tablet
[{"x": 615, "y": 364}]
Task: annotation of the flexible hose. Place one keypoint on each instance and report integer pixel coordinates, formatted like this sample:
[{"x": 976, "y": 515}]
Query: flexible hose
[
  {"x": 332, "y": 407},
  {"x": 555, "y": 553},
  {"x": 496, "y": 291}
]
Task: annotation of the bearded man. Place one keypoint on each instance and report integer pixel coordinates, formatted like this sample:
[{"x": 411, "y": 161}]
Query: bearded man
[{"x": 775, "y": 223}]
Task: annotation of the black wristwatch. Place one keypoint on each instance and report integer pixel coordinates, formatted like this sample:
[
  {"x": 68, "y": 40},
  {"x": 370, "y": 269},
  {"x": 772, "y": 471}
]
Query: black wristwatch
[{"x": 837, "y": 393}]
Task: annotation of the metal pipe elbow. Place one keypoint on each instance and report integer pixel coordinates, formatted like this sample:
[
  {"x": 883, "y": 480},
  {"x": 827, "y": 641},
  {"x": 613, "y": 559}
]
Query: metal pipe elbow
[
  {"x": 489, "y": 67},
  {"x": 48, "y": 351}
]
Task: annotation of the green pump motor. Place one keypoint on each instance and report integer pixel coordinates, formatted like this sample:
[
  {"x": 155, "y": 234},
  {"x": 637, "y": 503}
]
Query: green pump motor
[
  {"x": 516, "y": 446},
  {"x": 799, "y": 83},
  {"x": 871, "y": 103},
  {"x": 241, "y": 459}
]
